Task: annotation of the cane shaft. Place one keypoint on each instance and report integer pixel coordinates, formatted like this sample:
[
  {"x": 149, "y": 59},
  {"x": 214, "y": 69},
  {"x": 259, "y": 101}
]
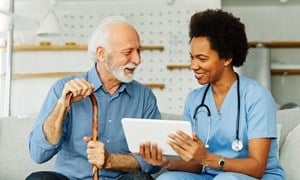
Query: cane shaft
[
  {"x": 94, "y": 125},
  {"x": 94, "y": 129}
]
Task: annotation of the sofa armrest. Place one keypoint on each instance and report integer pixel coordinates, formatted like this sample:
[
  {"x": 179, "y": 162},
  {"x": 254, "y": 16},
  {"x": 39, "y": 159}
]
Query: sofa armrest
[{"x": 15, "y": 160}]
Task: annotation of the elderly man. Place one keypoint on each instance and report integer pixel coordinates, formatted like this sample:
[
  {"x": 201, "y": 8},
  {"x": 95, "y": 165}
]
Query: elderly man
[{"x": 64, "y": 130}]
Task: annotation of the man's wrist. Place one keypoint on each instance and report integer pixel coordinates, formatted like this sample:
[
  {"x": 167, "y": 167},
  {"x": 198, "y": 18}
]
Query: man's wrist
[
  {"x": 107, "y": 161},
  {"x": 63, "y": 104}
]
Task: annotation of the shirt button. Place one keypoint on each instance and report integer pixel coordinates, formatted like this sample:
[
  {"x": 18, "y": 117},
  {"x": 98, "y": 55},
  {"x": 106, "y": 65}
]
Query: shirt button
[
  {"x": 109, "y": 121},
  {"x": 107, "y": 141}
]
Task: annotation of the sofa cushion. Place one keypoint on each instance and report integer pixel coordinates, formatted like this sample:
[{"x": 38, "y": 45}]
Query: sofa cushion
[
  {"x": 289, "y": 154},
  {"x": 279, "y": 127},
  {"x": 289, "y": 119},
  {"x": 15, "y": 161},
  {"x": 169, "y": 116}
]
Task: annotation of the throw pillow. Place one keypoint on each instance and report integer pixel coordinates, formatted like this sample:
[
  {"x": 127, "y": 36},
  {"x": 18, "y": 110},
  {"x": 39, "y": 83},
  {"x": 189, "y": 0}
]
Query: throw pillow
[
  {"x": 278, "y": 137},
  {"x": 289, "y": 154}
]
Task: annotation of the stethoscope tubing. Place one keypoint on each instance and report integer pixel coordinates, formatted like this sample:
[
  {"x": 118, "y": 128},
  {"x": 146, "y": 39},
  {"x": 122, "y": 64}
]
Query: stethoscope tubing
[{"x": 209, "y": 112}]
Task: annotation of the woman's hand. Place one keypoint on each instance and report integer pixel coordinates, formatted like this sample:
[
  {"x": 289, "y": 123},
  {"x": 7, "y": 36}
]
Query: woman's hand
[
  {"x": 152, "y": 154},
  {"x": 190, "y": 149}
]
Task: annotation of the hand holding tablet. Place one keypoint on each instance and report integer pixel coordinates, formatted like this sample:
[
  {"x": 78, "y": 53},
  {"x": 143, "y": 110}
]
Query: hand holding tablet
[{"x": 139, "y": 131}]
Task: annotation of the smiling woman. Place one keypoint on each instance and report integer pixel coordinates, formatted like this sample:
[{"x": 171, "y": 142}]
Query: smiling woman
[{"x": 228, "y": 130}]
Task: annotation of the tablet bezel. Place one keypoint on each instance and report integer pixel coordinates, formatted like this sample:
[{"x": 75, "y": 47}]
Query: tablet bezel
[{"x": 139, "y": 131}]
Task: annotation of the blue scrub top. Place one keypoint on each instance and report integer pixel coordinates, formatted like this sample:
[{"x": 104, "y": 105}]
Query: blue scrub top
[
  {"x": 257, "y": 120},
  {"x": 132, "y": 100}
]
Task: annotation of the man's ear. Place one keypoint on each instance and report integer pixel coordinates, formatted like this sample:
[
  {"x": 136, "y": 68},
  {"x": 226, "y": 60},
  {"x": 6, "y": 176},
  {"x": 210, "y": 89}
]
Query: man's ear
[
  {"x": 227, "y": 61},
  {"x": 100, "y": 53}
]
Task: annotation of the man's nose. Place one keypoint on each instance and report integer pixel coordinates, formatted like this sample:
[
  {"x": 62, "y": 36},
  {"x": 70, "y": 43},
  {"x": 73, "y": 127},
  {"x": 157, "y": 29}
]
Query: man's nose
[{"x": 136, "y": 57}]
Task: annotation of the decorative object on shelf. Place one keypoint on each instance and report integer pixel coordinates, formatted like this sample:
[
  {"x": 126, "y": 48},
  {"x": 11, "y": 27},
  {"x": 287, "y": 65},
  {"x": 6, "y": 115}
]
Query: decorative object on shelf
[
  {"x": 70, "y": 43},
  {"x": 45, "y": 43},
  {"x": 49, "y": 26}
]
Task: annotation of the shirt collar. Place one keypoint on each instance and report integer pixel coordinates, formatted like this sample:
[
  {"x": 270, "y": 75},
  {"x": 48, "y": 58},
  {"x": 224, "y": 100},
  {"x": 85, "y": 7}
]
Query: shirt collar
[
  {"x": 127, "y": 87},
  {"x": 93, "y": 77}
]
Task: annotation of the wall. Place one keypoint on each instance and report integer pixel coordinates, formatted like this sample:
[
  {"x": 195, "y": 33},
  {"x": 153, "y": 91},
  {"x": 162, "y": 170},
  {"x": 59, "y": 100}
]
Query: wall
[
  {"x": 163, "y": 23},
  {"x": 275, "y": 22}
]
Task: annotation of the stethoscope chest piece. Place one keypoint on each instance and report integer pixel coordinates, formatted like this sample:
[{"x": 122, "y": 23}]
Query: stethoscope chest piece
[{"x": 237, "y": 145}]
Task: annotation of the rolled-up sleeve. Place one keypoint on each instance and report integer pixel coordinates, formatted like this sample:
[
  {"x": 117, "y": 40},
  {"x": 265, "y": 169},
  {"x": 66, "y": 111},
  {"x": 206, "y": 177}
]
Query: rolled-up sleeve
[{"x": 40, "y": 149}]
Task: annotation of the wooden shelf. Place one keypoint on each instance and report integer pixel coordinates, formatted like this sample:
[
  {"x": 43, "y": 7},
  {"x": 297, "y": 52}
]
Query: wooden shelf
[
  {"x": 275, "y": 44},
  {"x": 151, "y": 48},
  {"x": 63, "y": 74},
  {"x": 50, "y": 47},
  {"x": 173, "y": 67},
  {"x": 76, "y": 47},
  {"x": 285, "y": 71},
  {"x": 43, "y": 75},
  {"x": 155, "y": 85},
  {"x": 83, "y": 47},
  {"x": 273, "y": 71}
]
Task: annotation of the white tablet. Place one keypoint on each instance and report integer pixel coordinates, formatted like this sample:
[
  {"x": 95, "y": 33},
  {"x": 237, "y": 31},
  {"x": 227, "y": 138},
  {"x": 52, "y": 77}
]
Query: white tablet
[{"x": 139, "y": 131}]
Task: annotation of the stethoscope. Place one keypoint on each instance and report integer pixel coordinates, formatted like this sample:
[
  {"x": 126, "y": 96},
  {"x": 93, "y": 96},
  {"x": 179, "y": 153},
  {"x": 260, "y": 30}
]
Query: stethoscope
[{"x": 237, "y": 144}]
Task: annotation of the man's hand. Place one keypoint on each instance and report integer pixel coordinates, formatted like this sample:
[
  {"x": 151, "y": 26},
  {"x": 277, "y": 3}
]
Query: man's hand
[
  {"x": 96, "y": 153},
  {"x": 79, "y": 88},
  {"x": 152, "y": 154}
]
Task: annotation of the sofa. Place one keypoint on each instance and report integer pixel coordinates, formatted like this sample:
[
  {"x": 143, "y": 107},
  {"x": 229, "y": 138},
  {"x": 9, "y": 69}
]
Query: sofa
[{"x": 16, "y": 164}]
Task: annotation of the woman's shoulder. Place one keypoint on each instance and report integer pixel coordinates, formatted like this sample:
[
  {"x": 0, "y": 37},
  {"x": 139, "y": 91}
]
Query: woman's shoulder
[
  {"x": 253, "y": 85},
  {"x": 253, "y": 91}
]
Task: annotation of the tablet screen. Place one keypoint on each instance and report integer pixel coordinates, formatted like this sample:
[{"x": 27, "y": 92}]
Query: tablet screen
[{"x": 139, "y": 131}]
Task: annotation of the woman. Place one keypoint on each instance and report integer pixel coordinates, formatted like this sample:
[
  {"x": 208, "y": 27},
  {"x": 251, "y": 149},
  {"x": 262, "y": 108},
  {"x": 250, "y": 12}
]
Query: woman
[{"x": 233, "y": 117}]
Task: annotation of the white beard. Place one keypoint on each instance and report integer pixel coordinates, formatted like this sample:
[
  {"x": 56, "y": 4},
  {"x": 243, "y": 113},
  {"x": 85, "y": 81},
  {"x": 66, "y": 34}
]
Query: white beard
[{"x": 118, "y": 72}]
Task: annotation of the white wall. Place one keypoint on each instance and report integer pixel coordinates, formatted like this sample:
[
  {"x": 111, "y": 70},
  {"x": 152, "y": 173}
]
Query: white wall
[
  {"x": 275, "y": 23},
  {"x": 263, "y": 23},
  {"x": 159, "y": 23}
]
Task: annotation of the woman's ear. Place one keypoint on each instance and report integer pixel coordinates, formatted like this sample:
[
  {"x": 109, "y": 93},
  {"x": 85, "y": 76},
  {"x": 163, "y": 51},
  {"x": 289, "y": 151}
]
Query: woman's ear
[
  {"x": 227, "y": 61},
  {"x": 100, "y": 53}
]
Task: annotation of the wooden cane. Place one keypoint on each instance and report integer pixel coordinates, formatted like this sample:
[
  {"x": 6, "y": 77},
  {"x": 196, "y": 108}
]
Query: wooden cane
[{"x": 94, "y": 125}]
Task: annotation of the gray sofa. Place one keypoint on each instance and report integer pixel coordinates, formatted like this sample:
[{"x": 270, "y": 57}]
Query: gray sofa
[{"x": 16, "y": 164}]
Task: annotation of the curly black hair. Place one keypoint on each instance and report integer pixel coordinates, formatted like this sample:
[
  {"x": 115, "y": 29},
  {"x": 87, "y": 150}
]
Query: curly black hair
[{"x": 225, "y": 32}]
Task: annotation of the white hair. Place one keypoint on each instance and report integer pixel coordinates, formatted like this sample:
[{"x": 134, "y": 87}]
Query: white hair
[{"x": 100, "y": 35}]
